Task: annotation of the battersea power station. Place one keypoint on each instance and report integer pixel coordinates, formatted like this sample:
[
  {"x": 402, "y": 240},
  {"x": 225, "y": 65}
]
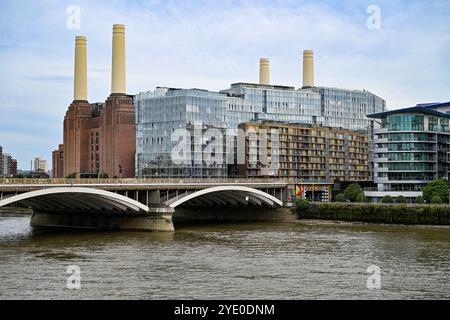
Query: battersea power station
[
  {"x": 99, "y": 138},
  {"x": 325, "y": 133}
]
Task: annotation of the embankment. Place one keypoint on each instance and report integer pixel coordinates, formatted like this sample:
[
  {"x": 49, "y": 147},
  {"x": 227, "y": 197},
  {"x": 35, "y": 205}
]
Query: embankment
[
  {"x": 379, "y": 213},
  {"x": 15, "y": 211}
]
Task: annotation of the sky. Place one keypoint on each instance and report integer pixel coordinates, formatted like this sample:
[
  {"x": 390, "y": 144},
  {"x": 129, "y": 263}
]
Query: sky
[{"x": 401, "y": 54}]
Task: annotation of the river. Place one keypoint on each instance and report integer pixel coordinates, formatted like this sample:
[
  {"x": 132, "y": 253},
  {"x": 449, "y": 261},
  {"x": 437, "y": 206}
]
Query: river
[{"x": 299, "y": 260}]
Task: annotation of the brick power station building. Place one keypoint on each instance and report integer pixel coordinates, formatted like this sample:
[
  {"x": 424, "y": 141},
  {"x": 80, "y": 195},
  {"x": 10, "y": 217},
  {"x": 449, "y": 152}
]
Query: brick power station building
[{"x": 99, "y": 138}]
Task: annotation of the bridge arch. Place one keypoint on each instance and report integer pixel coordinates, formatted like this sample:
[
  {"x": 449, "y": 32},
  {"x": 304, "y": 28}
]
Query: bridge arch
[
  {"x": 75, "y": 198},
  {"x": 238, "y": 195}
]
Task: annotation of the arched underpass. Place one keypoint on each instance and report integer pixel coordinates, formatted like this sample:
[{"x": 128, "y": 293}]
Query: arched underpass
[
  {"x": 226, "y": 196},
  {"x": 82, "y": 207}
]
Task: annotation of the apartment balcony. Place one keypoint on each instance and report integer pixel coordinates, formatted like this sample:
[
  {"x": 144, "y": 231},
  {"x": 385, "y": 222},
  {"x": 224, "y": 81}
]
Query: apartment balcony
[
  {"x": 378, "y": 169},
  {"x": 380, "y": 194},
  {"x": 386, "y": 180},
  {"x": 381, "y": 180},
  {"x": 410, "y": 170},
  {"x": 380, "y": 130},
  {"x": 381, "y": 140}
]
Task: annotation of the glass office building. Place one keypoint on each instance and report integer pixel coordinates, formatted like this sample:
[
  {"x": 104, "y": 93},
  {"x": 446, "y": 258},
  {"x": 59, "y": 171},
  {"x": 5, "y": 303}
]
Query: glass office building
[
  {"x": 160, "y": 112},
  {"x": 348, "y": 109},
  {"x": 412, "y": 148},
  {"x": 247, "y": 102},
  {"x": 328, "y": 107}
]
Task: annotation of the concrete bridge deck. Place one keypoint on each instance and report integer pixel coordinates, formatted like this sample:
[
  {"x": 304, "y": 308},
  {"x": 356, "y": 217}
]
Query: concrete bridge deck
[{"x": 105, "y": 203}]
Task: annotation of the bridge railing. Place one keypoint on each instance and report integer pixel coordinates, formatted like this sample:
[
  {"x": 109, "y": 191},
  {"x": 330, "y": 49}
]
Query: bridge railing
[
  {"x": 133, "y": 181},
  {"x": 27, "y": 181}
]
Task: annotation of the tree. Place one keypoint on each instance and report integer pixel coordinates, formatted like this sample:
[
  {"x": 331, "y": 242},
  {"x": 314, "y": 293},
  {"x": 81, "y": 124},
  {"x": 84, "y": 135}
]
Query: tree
[
  {"x": 361, "y": 197},
  {"x": 387, "y": 199},
  {"x": 71, "y": 176},
  {"x": 436, "y": 188},
  {"x": 302, "y": 205},
  {"x": 341, "y": 198},
  {"x": 352, "y": 192},
  {"x": 436, "y": 200},
  {"x": 420, "y": 199},
  {"x": 400, "y": 199}
]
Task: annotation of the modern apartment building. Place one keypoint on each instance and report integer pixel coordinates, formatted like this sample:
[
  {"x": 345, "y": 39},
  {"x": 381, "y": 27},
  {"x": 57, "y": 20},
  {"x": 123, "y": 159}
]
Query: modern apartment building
[
  {"x": 304, "y": 153},
  {"x": 6, "y": 164},
  {"x": 412, "y": 148},
  {"x": 251, "y": 102},
  {"x": 161, "y": 112}
]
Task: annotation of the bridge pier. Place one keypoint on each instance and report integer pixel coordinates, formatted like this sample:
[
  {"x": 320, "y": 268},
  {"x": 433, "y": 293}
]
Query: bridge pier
[{"x": 158, "y": 219}]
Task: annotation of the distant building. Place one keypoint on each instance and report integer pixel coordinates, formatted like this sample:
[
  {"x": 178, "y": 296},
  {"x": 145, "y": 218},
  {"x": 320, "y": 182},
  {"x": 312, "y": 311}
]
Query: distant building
[
  {"x": 6, "y": 164},
  {"x": 13, "y": 168},
  {"x": 412, "y": 148},
  {"x": 99, "y": 138},
  {"x": 40, "y": 165},
  {"x": 58, "y": 162},
  {"x": 1, "y": 161}
]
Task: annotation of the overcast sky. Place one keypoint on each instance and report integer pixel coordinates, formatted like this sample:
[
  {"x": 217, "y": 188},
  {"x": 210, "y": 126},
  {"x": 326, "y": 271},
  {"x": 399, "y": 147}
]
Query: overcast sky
[{"x": 210, "y": 44}]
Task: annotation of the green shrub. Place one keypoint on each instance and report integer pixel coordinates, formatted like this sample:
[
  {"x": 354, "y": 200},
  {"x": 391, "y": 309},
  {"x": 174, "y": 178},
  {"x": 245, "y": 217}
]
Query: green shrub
[
  {"x": 400, "y": 199},
  {"x": 302, "y": 205},
  {"x": 71, "y": 176},
  {"x": 341, "y": 198},
  {"x": 420, "y": 199},
  {"x": 436, "y": 200},
  {"x": 387, "y": 199},
  {"x": 352, "y": 192},
  {"x": 380, "y": 213},
  {"x": 361, "y": 198},
  {"x": 436, "y": 188}
]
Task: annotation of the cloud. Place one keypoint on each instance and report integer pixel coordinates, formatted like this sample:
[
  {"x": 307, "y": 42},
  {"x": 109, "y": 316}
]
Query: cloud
[{"x": 210, "y": 44}]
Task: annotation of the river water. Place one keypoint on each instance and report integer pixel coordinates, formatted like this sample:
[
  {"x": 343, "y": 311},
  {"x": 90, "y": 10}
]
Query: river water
[{"x": 300, "y": 260}]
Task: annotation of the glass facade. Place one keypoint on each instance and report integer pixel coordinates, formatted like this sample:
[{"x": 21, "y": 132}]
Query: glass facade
[
  {"x": 249, "y": 102},
  {"x": 410, "y": 137},
  {"x": 329, "y": 107},
  {"x": 347, "y": 109},
  {"x": 411, "y": 149},
  {"x": 161, "y": 112},
  {"x": 407, "y": 122}
]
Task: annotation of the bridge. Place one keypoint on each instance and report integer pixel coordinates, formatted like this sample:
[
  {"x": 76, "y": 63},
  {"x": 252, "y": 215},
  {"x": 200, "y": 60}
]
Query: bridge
[{"x": 133, "y": 204}]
